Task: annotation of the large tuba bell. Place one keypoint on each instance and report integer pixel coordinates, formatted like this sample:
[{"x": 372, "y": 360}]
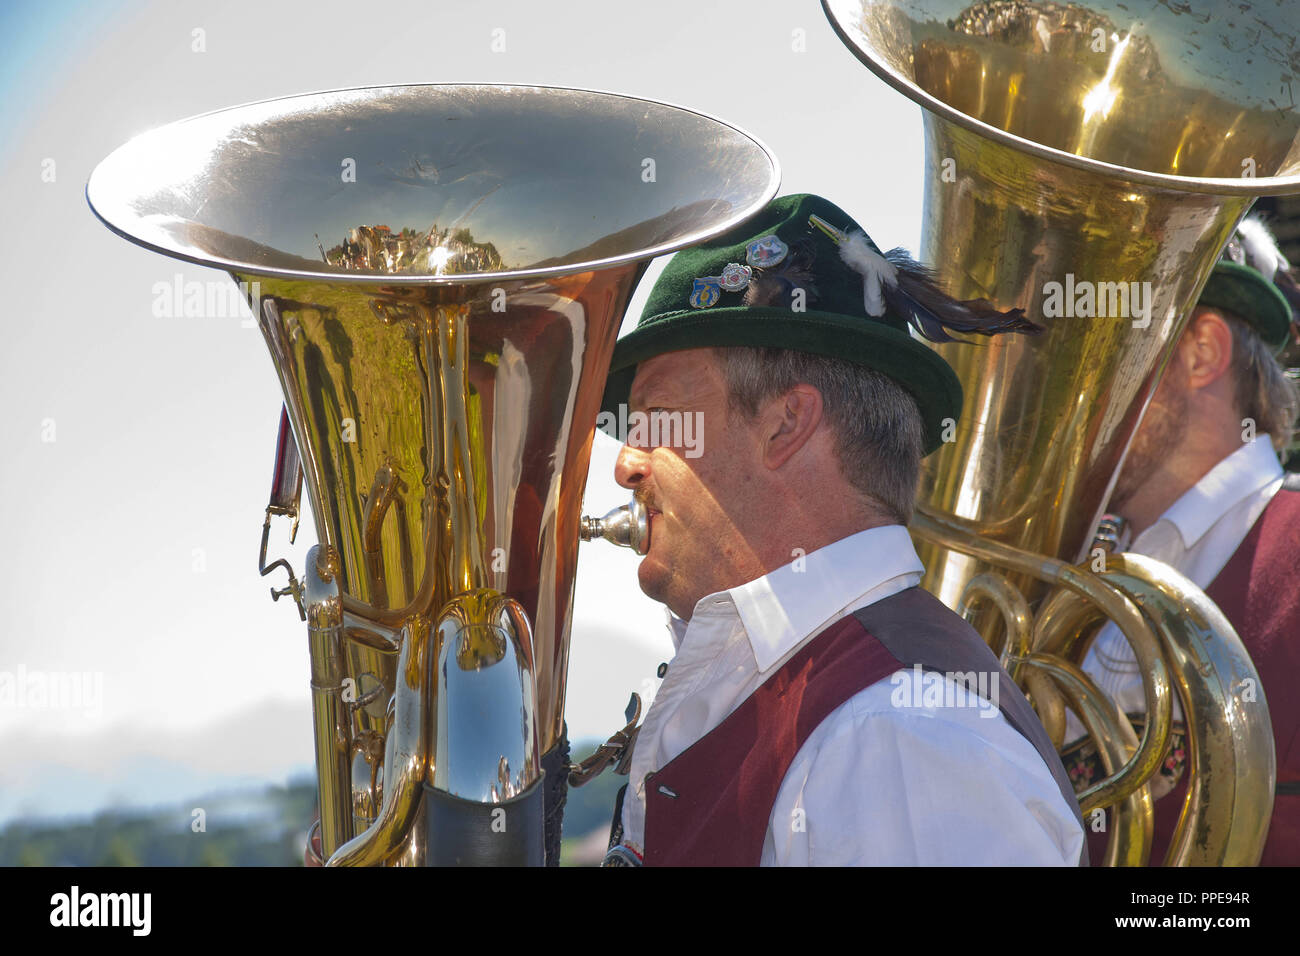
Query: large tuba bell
[
  {"x": 440, "y": 273},
  {"x": 1087, "y": 162}
]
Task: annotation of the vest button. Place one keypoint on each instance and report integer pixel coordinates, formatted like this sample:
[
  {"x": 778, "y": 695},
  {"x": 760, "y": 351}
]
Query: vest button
[{"x": 663, "y": 669}]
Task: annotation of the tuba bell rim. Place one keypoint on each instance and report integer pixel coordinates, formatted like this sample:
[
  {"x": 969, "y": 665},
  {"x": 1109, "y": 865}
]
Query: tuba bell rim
[
  {"x": 1215, "y": 186},
  {"x": 96, "y": 188}
]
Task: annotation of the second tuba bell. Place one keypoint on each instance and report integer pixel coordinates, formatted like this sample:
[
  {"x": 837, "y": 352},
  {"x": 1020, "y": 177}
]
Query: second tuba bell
[{"x": 1086, "y": 162}]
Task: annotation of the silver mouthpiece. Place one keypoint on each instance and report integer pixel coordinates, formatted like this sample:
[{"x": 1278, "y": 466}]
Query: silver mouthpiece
[{"x": 627, "y": 525}]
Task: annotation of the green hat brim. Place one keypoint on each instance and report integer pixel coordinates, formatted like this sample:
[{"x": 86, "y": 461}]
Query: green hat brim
[
  {"x": 916, "y": 368},
  {"x": 1245, "y": 292}
]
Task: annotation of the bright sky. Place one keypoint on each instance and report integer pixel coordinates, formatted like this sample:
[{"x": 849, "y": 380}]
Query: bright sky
[{"x": 133, "y": 533}]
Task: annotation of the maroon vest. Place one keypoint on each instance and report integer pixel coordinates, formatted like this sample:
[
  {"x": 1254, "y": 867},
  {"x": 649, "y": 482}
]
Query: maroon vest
[
  {"x": 1258, "y": 590},
  {"x": 710, "y": 805}
]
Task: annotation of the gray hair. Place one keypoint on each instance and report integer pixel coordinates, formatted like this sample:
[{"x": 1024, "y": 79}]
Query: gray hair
[
  {"x": 877, "y": 425},
  {"x": 1264, "y": 393}
]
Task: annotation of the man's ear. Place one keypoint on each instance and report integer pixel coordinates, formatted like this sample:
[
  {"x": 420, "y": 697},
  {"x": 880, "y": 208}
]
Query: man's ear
[
  {"x": 1206, "y": 347},
  {"x": 788, "y": 423}
]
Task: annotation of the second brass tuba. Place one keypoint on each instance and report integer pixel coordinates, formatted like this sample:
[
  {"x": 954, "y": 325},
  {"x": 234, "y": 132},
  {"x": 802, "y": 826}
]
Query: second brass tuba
[{"x": 1087, "y": 162}]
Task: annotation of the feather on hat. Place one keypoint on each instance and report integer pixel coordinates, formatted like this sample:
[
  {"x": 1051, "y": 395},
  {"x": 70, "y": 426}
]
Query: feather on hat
[{"x": 898, "y": 280}]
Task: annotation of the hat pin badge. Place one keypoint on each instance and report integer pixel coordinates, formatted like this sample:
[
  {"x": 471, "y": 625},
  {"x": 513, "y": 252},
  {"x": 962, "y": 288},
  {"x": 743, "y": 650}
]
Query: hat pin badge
[
  {"x": 735, "y": 277},
  {"x": 766, "y": 252},
  {"x": 705, "y": 292}
]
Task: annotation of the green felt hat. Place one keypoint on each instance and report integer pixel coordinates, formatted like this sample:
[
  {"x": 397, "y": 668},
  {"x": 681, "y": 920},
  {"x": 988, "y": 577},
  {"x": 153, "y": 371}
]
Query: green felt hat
[
  {"x": 1244, "y": 291},
  {"x": 802, "y": 295}
]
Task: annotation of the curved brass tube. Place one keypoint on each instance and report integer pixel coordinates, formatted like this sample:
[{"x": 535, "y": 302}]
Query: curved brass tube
[
  {"x": 383, "y": 492},
  {"x": 406, "y": 758},
  {"x": 1066, "y": 617},
  {"x": 1049, "y": 704},
  {"x": 1232, "y": 766},
  {"x": 1015, "y": 615},
  {"x": 1058, "y": 633},
  {"x": 486, "y": 747},
  {"x": 1018, "y": 621},
  {"x": 1134, "y": 819},
  {"x": 330, "y": 725}
]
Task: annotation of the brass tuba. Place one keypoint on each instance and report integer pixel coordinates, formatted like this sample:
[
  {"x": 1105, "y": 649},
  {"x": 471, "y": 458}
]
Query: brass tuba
[
  {"x": 1109, "y": 147},
  {"x": 439, "y": 273}
]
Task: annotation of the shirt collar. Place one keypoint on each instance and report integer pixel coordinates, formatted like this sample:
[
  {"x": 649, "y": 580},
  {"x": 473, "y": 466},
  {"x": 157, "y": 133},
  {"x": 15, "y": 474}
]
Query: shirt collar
[
  {"x": 676, "y": 628},
  {"x": 783, "y": 607},
  {"x": 1246, "y": 470}
]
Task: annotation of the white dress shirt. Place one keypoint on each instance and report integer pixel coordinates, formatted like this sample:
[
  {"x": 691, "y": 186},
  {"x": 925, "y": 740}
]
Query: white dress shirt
[
  {"x": 1196, "y": 537},
  {"x": 875, "y": 783}
]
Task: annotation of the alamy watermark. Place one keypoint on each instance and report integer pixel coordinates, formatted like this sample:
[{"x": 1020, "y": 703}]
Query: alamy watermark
[
  {"x": 919, "y": 687},
  {"x": 24, "y": 689},
  {"x": 1084, "y": 299},
  {"x": 210, "y": 299},
  {"x": 655, "y": 428},
  {"x": 129, "y": 910}
]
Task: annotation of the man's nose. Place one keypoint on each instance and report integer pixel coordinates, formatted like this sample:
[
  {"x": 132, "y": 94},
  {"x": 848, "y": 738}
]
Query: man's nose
[{"x": 632, "y": 465}]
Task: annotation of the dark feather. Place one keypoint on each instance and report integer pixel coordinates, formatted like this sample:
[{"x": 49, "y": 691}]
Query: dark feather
[
  {"x": 768, "y": 290},
  {"x": 934, "y": 314},
  {"x": 775, "y": 287}
]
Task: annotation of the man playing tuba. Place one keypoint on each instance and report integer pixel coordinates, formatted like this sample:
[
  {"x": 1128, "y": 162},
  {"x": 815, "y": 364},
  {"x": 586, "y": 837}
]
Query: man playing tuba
[
  {"x": 1202, "y": 491},
  {"x": 821, "y": 709}
]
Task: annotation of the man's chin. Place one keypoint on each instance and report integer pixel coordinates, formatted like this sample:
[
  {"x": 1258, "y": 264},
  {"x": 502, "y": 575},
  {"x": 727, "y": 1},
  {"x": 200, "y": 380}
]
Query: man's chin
[{"x": 653, "y": 579}]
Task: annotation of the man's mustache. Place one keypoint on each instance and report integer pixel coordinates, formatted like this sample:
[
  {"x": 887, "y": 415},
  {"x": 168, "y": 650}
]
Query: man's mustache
[{"x": 646, "y": 497}]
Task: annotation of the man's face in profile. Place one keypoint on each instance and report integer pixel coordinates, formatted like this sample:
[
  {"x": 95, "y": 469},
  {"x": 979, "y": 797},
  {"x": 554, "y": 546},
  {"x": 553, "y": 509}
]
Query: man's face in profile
[
  {"x": 699, "y": 503},
  {"x": 1158, "y": 435}
]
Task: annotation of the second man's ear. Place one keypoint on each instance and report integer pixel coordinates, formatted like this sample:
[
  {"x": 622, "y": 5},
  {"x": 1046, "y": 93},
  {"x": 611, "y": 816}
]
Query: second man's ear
[{"x": 1205, "y": 348}]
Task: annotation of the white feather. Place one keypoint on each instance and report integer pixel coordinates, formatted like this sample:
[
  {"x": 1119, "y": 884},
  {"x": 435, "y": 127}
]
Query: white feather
[
  {"x": 876, "y": 271},
  {"x": 1261, "y": 248}
]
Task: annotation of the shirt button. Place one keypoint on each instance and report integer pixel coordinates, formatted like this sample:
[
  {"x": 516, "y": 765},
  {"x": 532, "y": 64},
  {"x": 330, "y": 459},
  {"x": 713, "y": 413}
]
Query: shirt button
[{"x": 663, "y": 669}]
